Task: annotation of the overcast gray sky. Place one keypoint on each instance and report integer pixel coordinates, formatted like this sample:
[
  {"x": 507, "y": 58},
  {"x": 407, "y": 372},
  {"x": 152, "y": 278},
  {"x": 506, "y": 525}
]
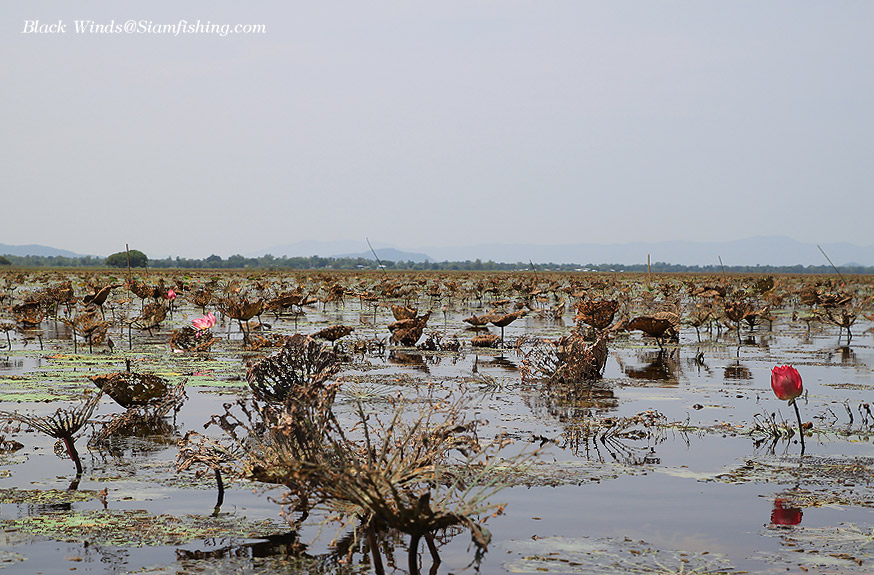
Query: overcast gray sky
[{"x": 436, "y": 123}]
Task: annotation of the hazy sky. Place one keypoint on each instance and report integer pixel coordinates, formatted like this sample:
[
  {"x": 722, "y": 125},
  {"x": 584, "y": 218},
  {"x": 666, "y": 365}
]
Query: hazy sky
[{"x": 436, "y": 123}]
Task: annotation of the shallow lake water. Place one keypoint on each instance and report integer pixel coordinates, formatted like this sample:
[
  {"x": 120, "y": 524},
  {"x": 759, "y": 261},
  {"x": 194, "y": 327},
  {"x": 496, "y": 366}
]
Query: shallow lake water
[{"x": 695, "y": 491}]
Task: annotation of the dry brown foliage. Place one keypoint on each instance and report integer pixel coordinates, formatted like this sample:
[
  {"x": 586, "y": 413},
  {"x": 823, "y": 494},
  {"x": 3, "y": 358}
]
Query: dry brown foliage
[
  {"x": 296, "y": 372},
  {"x": 129, "y": 388},
  {"x": 407, "y": 332},
  {"x": 402, "y": 312},
  {"x": 485, "y": 340},
  {"x": 596, "y": 313},
  {"x": 190, "y": 339},
  {"x": 566, "y": 360},
  {"x": 333, "y": 333}
]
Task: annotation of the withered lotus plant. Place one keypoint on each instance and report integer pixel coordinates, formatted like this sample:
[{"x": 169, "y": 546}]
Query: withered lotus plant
[
  {"x": 282, "y": 433},
  {"x": 191, "y": 340},
  {"x": 152, "y": 315},
  {"x": 419, "y": 472},
  {"x": 98, "y": 296},
  {"x": 238, "y": 307},
  {"x": 63, "y": 425},
  {"x": 407, "y": 332},
  {"x": 596, "y": 313},
  {"x": 297, "y": 373},
  {"x": 90, "y": 325},
  {"x": 6, "y": 327},
  {"x": 30, "y": 312},
  {"x": 569, "y": 359},
  {"x": 132, "y": 389},
  {"x": 333, "y": 333}
]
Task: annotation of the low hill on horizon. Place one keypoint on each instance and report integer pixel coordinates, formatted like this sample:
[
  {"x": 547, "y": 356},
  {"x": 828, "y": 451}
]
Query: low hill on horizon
[{"x": 36, "y": 250}]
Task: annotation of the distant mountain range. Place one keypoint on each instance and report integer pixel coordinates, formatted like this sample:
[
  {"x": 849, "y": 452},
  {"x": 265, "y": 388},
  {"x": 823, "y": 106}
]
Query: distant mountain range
[
  {"x": 35, "y": 250},
  {"x": 764, "y": 250}
]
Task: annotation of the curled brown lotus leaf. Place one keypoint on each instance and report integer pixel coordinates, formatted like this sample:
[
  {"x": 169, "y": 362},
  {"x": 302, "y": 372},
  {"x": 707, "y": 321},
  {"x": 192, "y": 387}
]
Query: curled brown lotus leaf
[
  {"x": 478, "y": 321},
  {"x": 403, "y": 312},
  {"x": 506, "y": 319},
  {"x": 238, "y": 307},
  {"x": 406, "y": 332},
  {"x": 298, "y": 369},
  {"x": 98, "y": 295},
  {"x": 28, "y": 313},
  {"x": 152, "y": 315},
  {"x": 596, "y": 313},
  {"x": 485, "y": 340},
  {"x": 715, "y": 291},
  {"x": 569, "y": 359},
  {"x": 140, "y": 289},
  {"x": 333, "y": 333},
  {"x": 201, "y": 297},
  {"x": 129, "y": 388},
  {"x": 190, "y": 339},
  {"x": 91, "y": 326},
  {"x": 657, "y": 327},
  {"x": 283, "y": 301}
]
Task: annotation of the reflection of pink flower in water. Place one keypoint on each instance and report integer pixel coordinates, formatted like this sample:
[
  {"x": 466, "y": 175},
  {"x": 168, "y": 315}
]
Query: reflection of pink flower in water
[
  {"x": 205, "y": 322},
  {"x": 782, "y": 515},
  {"x": 200, "y": 374}
]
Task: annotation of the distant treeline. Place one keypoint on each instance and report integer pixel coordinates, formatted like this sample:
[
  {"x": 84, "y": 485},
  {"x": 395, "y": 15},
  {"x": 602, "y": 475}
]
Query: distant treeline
[{"x": 320, "y": 263}]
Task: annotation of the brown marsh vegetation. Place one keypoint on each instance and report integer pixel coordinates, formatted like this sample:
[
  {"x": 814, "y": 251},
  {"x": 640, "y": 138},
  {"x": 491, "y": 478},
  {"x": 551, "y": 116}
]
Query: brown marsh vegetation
[{"x": 396, "y": 411}]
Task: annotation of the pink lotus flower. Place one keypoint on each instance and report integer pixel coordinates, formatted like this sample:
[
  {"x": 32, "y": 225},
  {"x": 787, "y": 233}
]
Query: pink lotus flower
[
  {"x": 171, "y": 295},
  {"x": 205, "y": 322},
  {"x": 786, "y": 382}
]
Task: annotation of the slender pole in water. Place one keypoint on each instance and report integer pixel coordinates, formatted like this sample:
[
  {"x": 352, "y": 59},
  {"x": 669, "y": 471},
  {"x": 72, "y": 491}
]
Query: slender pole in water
[
  {"x": 127, "y": 249},
  {"x": 833, "y": 265},
  {"x": 376, "y": 256}
]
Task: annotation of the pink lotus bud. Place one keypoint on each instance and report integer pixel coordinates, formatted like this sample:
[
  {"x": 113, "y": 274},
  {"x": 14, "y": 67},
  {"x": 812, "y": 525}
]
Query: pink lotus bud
[{"x": 786, "y": 382}]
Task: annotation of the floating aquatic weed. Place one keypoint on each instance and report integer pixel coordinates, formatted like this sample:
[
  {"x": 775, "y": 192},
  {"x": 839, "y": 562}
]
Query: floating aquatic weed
[
  {"x": 828, "y": 480},
  {"x": 846, "y": 548},
  {"x": 598, "y": 555},
  {"x": 45, "y": 496},
  {"x": 137, "y": 528},
  {"x": 615, "y": 434}
]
